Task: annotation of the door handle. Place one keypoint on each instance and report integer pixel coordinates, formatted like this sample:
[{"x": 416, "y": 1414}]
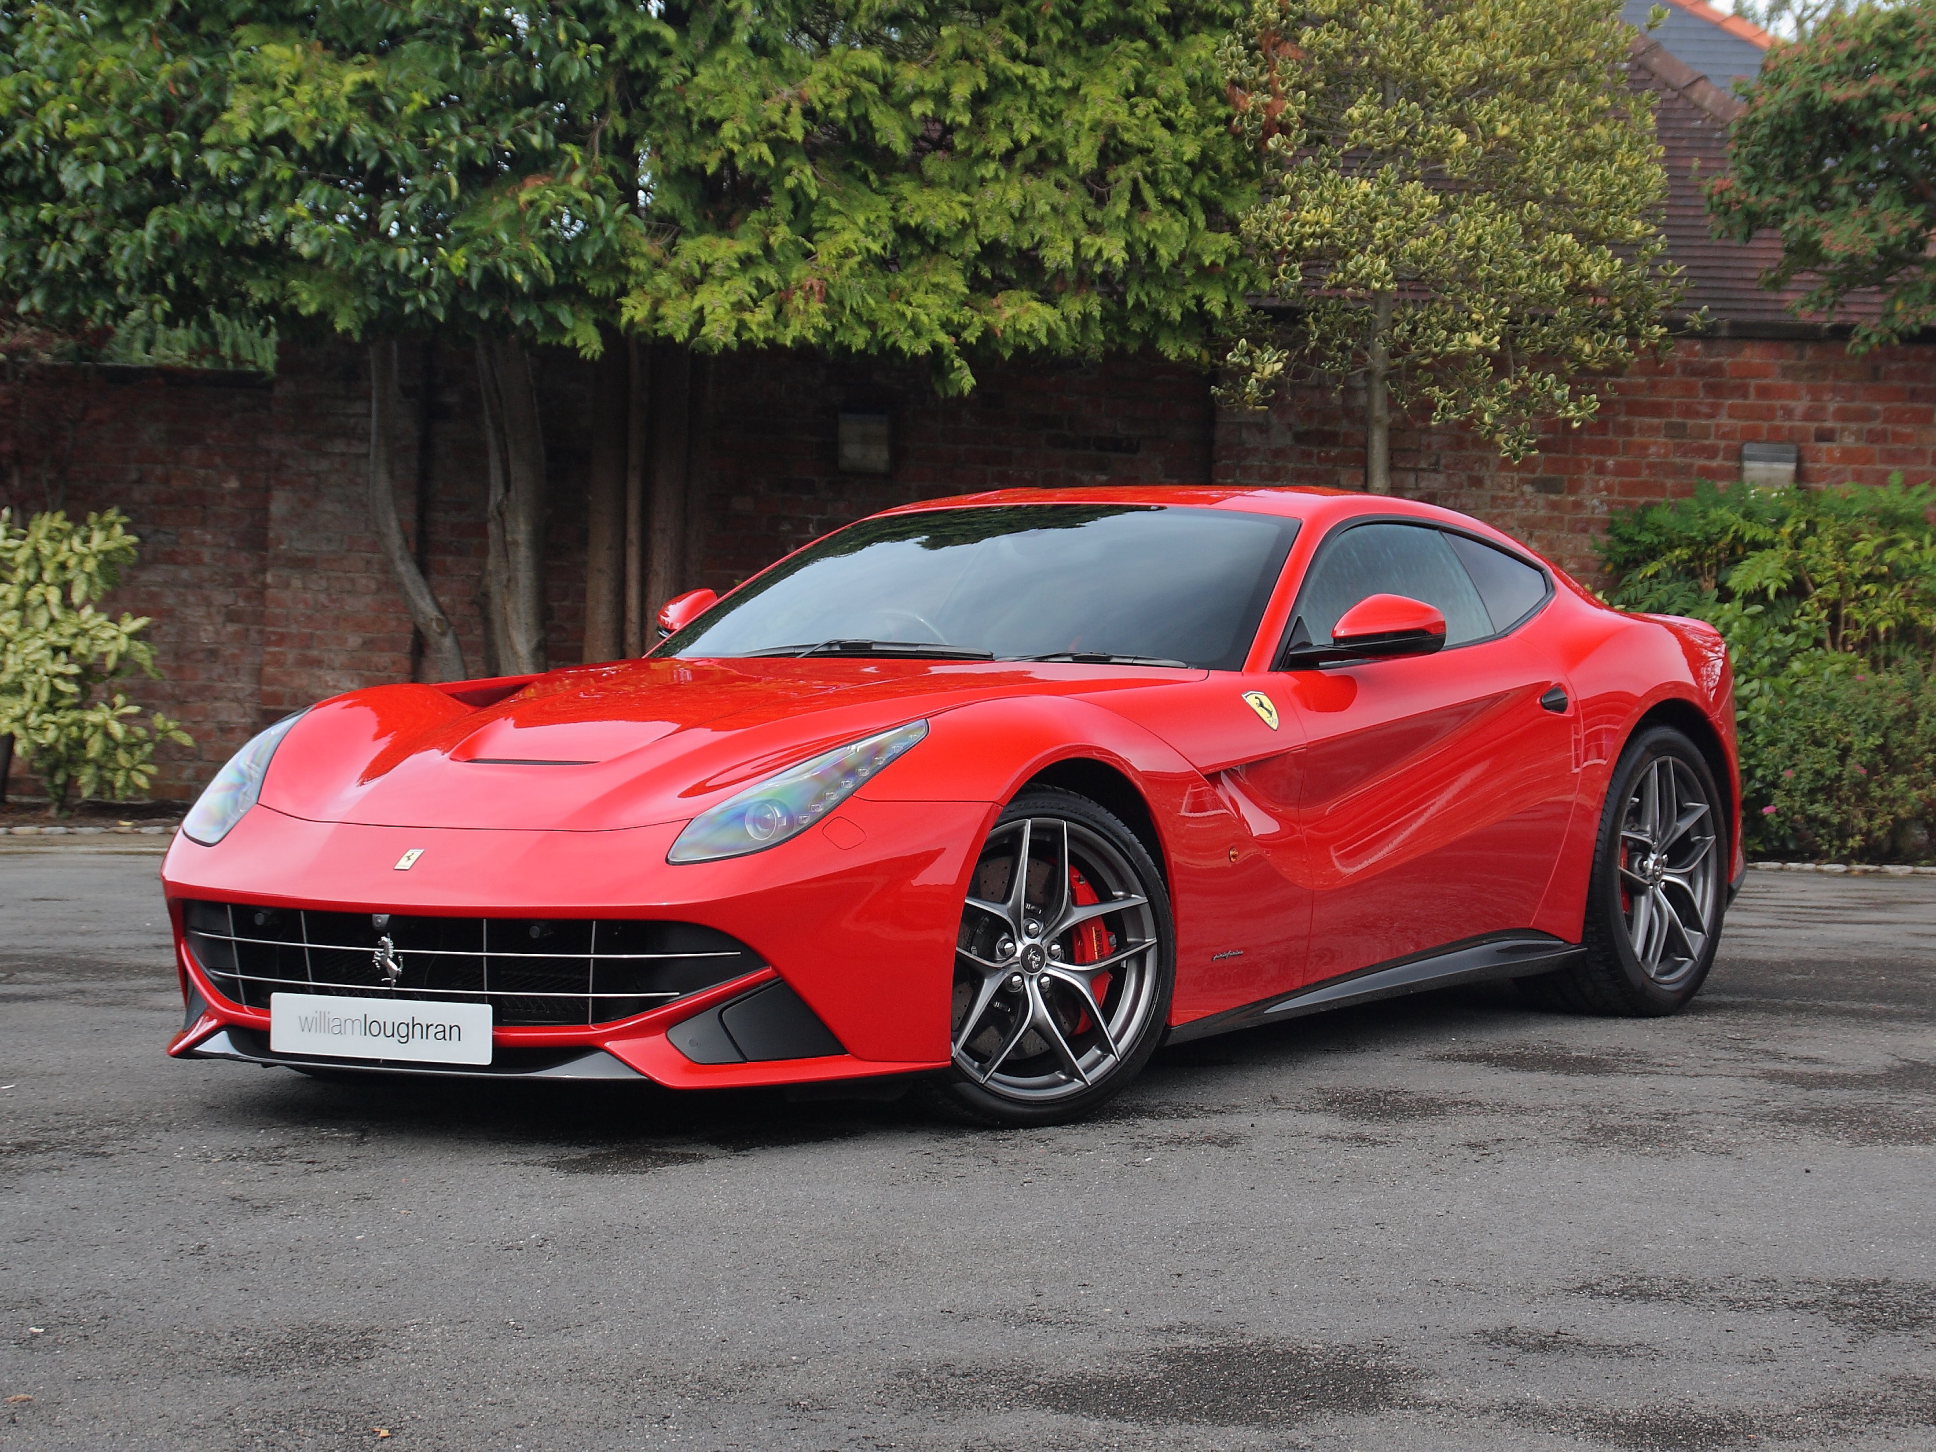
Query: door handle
[{"x": 1555, "y": 700}]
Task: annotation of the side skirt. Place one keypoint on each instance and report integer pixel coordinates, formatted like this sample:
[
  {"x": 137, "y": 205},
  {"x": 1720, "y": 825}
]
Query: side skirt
[{"x": 1477, "y": 960}]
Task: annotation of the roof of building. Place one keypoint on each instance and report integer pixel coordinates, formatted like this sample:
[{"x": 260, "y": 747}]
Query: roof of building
[
  {"x": 1724, "y": 48},
  {"x": 1693, "y": 111}
]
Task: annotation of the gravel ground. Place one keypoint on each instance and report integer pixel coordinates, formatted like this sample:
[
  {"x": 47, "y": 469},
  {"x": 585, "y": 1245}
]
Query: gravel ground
[{"x": 1450, "y": 1222}]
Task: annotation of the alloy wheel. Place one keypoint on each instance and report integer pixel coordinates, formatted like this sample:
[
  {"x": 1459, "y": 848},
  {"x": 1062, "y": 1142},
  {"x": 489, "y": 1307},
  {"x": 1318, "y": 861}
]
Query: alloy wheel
[
  {"x": 1669, "y": 870},
  {"x": 1057, "y": 962}
]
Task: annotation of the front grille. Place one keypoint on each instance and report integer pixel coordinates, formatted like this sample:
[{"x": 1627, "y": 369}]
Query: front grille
[{"x": 530, "y": 970}]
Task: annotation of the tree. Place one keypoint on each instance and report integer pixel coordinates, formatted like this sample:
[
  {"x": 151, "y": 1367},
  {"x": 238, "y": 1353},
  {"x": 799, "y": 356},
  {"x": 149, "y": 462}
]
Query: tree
[
  {"x": 946, "y": 182},
  {"x": 1462, "y": 207},
  {"x": 932, "y": 180},
  {"x": 385, "y": 168},
  {"x": 1835, "y": 151},
  {"x": 1793, "y": 18}
]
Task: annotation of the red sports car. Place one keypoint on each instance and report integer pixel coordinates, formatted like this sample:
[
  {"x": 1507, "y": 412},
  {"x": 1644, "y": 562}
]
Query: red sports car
[{"x": 1000, "y": 792}]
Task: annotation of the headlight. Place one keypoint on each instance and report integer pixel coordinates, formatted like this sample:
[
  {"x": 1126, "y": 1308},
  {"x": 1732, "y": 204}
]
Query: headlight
[
  {"x": 786, "y": 805},
  {"x": 235, "y": 787}
]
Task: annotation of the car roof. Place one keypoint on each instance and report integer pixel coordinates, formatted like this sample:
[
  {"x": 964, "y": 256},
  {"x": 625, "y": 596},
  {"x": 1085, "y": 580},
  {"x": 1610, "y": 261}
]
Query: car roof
[{"x": 1317, "y": 506}]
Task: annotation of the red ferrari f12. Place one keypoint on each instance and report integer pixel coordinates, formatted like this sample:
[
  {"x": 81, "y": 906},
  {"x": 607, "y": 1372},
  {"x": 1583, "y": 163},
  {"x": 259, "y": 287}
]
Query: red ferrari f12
[{"x": 998, "y": 792}]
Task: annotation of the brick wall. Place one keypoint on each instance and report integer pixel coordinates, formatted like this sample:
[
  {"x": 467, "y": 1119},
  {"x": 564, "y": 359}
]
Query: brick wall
[
  {"x": 267, "y": 593},
  {"x": 189, "y": 458},
  {"x": 1663, "y": 427},
  {"x": 771, "y": 480},
  {"x": 258, "y": 566}
]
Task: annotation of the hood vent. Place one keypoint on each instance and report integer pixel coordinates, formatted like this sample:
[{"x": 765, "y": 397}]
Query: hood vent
[{"x": 521, "y": 761}]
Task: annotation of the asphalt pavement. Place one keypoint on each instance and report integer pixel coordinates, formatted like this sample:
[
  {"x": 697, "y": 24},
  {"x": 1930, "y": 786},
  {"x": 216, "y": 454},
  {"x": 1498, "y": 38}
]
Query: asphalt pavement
[{"x": 1447, "y": 1222}]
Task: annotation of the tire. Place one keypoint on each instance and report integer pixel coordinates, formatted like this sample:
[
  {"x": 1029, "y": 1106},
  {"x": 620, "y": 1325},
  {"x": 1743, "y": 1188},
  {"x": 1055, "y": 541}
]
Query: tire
[
  {"x": 1658, "y": 891},
  {"x": 1063, "y": 971}
]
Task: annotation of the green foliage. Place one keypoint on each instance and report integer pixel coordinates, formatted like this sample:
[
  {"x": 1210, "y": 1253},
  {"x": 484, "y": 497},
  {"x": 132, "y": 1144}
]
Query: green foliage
[
  {"x": 381, "y": 166},
  {"x": 937, "y": 181},
  {"x": 1848, "y": 766},
  {"x": 1835, "y": 151},
  {"x": 1792, "y": 18},
  {"x": 215, "y": 342},
  {"x": 929, "y": 180},
  {"x": 59, "y": 657},
  {"x": 1850, "y": 570},
  {"x": 1828, "y": 602},
  {"x": 1477, "y": 171},
  {"x": 98, "y": 128},
  {"x": 30, "y": 340}
]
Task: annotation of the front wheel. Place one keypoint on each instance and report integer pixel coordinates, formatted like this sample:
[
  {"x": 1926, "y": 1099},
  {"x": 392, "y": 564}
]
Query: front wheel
[
  {"x": 1654, "y": 907},
  {"x": 1063, "y": 965}
]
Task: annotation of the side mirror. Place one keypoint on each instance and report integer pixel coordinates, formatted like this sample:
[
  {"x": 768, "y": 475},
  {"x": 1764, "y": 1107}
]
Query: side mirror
[
  {"x": 1376, "y": 628},
  {"x": 681, "y": 610}
]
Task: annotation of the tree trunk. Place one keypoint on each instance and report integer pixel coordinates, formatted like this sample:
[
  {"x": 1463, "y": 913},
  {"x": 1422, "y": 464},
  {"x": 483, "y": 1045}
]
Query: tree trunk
[
  {"x": 605, "y": 506},
  {"x": 443, "y": 656},
  {"x": 637, "y": 633},
  {"x": 514, "y": 613},
  {"x": 1378, "y": 399},
  {"x": 698, "y": 467},
  {"x": 671, "y": 476},
  {"x": 6, "y": 765}
]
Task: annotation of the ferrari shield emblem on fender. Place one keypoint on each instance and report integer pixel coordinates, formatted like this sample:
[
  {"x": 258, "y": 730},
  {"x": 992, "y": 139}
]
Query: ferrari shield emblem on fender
[{"x": 1265, "y": 708}]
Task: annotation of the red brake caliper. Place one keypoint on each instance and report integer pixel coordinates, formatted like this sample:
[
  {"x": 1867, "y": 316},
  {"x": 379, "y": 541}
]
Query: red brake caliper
[{"x": 1092, "y": 942}]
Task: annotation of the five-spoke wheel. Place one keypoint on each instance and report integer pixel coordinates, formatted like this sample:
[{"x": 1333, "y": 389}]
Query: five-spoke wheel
[{"x": 1062, "y": 965}]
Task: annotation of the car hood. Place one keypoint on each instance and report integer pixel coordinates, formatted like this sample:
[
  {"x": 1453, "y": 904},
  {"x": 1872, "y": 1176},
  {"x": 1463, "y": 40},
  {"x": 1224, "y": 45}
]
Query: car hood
[{"x": 625, "y": 745}]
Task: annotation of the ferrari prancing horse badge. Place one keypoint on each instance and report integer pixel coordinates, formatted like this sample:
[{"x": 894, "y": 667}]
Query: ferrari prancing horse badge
[{"x": 1265, "y": 708}]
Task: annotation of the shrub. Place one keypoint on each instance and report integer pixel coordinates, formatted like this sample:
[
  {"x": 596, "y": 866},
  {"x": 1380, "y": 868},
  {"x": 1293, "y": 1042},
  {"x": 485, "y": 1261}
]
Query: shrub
[
  {"x": 1828, "y": 601},
  {"x": 1848, "y": 766},
  {"x": 59, "y": 657}
]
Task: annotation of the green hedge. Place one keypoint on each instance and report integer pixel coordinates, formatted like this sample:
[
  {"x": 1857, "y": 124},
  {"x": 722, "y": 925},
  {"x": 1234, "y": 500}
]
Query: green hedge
[{"x": 1828, "y": 600}]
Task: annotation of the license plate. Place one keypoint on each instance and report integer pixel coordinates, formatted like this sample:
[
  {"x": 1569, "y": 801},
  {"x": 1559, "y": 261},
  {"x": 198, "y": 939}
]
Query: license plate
[{"x": 409, "y": 1029}]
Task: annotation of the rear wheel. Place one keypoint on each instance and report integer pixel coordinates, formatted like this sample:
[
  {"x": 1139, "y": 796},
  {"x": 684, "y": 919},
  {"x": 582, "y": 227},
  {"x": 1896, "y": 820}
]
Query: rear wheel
[
  {"x": 1654, "y": 908},
  {"x": 1063, "y": 965}
]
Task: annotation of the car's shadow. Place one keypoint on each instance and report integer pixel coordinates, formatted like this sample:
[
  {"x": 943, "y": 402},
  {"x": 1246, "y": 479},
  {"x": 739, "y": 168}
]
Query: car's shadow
[{"x": 601, "y": 1128}]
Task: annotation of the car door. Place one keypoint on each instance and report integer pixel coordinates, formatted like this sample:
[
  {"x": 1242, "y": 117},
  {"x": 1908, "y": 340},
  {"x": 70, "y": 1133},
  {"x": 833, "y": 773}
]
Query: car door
[{"x": 1434, "y": 790}]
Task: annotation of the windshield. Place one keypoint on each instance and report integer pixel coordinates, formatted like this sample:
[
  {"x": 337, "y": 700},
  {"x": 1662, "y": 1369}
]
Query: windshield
[{"x": 1157, "y": 585}]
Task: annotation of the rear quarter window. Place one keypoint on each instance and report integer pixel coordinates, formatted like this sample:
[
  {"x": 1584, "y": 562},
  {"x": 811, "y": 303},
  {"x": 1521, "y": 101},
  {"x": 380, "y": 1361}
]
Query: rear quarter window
[{"x": 1510, "y": 588}]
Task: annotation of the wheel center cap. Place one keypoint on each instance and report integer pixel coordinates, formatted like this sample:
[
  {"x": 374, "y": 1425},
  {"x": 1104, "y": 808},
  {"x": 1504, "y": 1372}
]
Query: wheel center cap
[{"x": 1033, "y": 957}]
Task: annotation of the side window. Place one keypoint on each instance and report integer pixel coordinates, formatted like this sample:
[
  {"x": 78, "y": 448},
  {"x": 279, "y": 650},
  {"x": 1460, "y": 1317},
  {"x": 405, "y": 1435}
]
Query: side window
[
  {"x": 1389, "y": 559},
  {"x": 1511, "y": 588}
]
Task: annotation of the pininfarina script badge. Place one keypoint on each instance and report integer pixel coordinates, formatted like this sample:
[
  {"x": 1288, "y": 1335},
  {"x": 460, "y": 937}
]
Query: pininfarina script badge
[
  {"x": 1264, "y": 706},
  {"x": 409, "y": 859}
]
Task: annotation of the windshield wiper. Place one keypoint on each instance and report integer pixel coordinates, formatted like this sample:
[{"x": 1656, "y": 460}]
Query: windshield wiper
[
  {"x": 913, "y": 649},
  {"x": 1101, "y": 657}
]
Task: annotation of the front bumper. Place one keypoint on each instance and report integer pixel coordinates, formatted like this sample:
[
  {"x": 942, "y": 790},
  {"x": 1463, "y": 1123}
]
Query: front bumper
[
  {"x": 250, "y": 1047},
  {"x": 858, "y": 917}
]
